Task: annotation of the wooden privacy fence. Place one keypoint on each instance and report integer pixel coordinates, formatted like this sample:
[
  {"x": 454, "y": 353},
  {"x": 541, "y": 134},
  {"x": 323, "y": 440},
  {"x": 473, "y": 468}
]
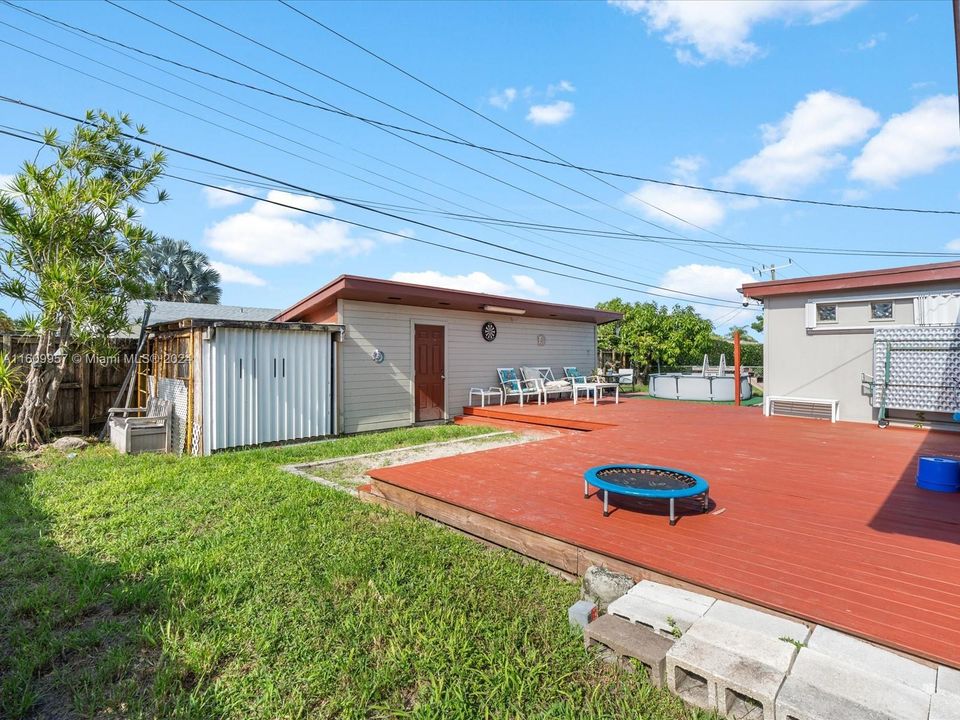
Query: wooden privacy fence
[{"x": 90, "y": 384}]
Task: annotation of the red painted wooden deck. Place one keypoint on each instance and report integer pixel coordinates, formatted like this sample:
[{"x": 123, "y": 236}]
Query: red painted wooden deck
[{"x": 820, "y": 521}]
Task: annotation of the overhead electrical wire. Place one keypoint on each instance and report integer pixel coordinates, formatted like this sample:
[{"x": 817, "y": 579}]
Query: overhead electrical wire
[
  {"x": 560, "y": 162},
  {"x": 587, "y": 232},
  {"x": 711, "y": 300},
  {"x": 381, "y": 127},
  {"x": 576, "y": 250},
  {"x": 500, "y": 151},
  {"x": 330, "y": 107},
  {"x": 365, "y": 226}
]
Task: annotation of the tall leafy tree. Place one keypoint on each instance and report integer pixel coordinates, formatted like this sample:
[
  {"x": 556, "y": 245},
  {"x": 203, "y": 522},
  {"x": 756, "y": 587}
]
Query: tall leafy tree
[
  {"x": 650, "y": 333},
  {"x": 70, "y": 249},
  {"x": 172, "y": 270}
]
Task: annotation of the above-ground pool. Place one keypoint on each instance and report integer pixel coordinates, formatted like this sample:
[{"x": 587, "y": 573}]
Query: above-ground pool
[{"x": 677, "y": 386}]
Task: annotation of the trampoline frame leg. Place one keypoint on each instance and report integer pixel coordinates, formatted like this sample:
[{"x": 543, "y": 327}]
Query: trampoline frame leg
[
  {"x": 673, "y": 514},
  {"x": 706, "y": 501},
  {"x": 606, "y": 511},
  {"x": 586, "y": 490}
]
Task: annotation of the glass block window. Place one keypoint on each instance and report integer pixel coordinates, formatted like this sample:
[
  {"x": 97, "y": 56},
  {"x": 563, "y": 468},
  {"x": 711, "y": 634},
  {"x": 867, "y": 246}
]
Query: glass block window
[
  {"x": 826, "y": 313},
  {"x": 881, "y": 311}
]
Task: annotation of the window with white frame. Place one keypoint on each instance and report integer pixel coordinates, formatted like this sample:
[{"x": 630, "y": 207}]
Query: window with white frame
[
  {"x": 826, "y": 312},
  {"x": 880, "y": 311}
]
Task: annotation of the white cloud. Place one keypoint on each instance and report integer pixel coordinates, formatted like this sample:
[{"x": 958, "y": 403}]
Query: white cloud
[
  {"x": 220, "y": 198},
  {"x": 922, "y": 85},
  {"x": 715, "y": 281},
  {"x": 872, "y": 41},
  {"x": 695, "y": 206},
  {"x": 853, "y": 195},
  {"x": 912, "y": 143},
  {"x": 552, "y": 114},
  {"x": 953, "y": 245},
  {"x": 503, "y": 99},
  {"x": 302, "y": 202},
  {"x": 805, "y": 144},
  {"x": 564, "y": 86},
  {"x": 267, "y": 234},
  {"x": 719, "y": 30},
  {"x": 235, "y": 274},
  {"x": 522, "y": 286},
  {"x": 530, "y": 286}
]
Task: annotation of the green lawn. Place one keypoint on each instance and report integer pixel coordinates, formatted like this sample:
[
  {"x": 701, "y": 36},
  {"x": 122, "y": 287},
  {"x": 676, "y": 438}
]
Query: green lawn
[{"x": 216, "y": 587}]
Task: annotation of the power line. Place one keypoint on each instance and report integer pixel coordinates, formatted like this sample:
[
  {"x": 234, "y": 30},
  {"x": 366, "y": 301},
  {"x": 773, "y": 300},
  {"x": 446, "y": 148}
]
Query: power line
[
  {"x": 477, "y": 146},
  {"x": 344, "y": 201},
  {"x": 494, "y": 122},
  {"x": 365, "y": 226},
  {"x": 244, "y": 135},
  {"x": 410, "y": 115}
]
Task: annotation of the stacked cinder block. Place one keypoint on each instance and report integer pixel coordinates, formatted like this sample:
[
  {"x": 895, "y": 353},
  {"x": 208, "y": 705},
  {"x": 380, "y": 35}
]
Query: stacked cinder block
[
  {"x": 839, "y": 676},
  {"x": 643, "y": 624},
  {"x": 734, "y": 660},
  {"x": 627, "y": 641},
  {"x": 666, "y": 610}
]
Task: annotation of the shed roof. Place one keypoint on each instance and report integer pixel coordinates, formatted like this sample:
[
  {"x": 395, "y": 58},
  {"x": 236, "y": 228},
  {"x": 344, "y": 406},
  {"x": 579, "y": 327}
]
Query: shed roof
[
  {"x": 353, "y": 287},
  {"x": 163, "y": 311},
  {"x": 932, "y": 273}
]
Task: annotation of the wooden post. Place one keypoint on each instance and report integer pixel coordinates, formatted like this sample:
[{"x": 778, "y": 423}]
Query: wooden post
[{"x": 736, "y": 367}]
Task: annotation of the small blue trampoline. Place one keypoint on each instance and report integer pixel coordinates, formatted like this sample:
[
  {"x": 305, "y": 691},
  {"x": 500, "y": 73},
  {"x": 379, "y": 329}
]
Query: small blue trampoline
[{"x": 646, "y": 481}]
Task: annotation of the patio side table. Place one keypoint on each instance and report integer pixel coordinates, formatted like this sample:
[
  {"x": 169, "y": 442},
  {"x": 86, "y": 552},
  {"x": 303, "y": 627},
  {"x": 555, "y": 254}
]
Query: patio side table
[{"x": 493, "y": 393}]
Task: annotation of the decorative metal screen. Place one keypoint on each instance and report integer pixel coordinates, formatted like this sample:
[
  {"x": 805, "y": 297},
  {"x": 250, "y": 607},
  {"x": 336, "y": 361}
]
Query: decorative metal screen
[
  {"x": 175, "y": 391},
  {"x": 917, "y": 368}
]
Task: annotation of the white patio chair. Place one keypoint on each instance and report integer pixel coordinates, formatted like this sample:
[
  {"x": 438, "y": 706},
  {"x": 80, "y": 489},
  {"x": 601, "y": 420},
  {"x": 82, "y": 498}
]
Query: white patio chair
[
  {"x": 548, "y": 384},
  {"x": 518, "y": 388},
  {"x": 625, "y": 376},
  {"x": 581, "y": 383}
]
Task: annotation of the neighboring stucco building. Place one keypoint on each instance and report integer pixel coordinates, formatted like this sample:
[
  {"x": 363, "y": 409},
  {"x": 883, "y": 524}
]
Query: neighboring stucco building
[
  {"x": 411, "y": 353},
  {"x": 820, "y": 334}
]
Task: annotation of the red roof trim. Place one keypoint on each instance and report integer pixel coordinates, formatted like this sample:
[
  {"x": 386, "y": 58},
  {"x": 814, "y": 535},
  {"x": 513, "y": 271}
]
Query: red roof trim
[
  {"x": 354, "y": 287},
  {"x": 885, "y": 277}
]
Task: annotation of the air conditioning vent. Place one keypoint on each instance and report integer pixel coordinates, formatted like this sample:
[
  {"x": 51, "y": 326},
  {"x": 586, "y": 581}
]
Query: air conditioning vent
[{"x": 814, "y": 408}]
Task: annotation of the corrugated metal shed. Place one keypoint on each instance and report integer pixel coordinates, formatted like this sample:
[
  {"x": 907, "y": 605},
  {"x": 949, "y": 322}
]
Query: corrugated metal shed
[{"x": 248, "y": 382}]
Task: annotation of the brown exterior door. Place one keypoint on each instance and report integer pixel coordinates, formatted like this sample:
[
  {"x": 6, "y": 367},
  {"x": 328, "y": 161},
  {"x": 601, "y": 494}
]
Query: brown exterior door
[{"x": 429, "y": 372}]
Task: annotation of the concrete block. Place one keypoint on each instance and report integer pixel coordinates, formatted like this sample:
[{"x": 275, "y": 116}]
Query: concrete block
[
  {"x": 948, "y": 680},
  {"x": 821, "y": 687},
  {"x": 655, "y": 605},
  {"x": 758, "y": 622},
  {"x": 733, "y": 661},
  {"x": 603, "y": 586},
  {"x": 873, "y": 660},
  {"x": 945, "y": 706},
  {"x": 627, "y": 640},
  {"x": 581, "y": 613}
]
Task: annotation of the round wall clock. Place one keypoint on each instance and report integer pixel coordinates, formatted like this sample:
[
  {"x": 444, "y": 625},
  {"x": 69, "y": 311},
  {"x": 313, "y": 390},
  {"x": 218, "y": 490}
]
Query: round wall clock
[{"x": 489, "y": 331}]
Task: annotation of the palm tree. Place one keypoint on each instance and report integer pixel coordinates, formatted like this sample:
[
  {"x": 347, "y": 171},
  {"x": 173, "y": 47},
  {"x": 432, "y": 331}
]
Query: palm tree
[{"x": 172, "y": 270}]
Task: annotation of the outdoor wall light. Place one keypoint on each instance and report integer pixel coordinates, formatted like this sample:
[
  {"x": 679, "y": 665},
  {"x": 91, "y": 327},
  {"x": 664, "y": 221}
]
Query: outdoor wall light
[{"x": 505, "y": 310}]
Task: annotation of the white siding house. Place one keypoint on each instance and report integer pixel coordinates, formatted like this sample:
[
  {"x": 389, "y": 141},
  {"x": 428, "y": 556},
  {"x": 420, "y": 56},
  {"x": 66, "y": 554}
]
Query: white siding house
[
  {"x": 820, "y": 333},
  {"x": 377, "y": 365}
]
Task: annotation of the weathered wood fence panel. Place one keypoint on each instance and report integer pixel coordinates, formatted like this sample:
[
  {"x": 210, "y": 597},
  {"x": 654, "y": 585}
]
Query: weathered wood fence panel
[{"x": 89, "y": 386}]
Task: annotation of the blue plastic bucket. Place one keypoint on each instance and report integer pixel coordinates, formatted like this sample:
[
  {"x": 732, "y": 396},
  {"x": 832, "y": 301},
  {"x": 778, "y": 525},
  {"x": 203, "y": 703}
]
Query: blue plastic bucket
[{"x": 939, "y": 474}]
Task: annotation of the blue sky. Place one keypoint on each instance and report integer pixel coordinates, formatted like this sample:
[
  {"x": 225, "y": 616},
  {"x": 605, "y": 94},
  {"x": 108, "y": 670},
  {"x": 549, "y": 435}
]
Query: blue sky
[{"x": 839, "y": 101}]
